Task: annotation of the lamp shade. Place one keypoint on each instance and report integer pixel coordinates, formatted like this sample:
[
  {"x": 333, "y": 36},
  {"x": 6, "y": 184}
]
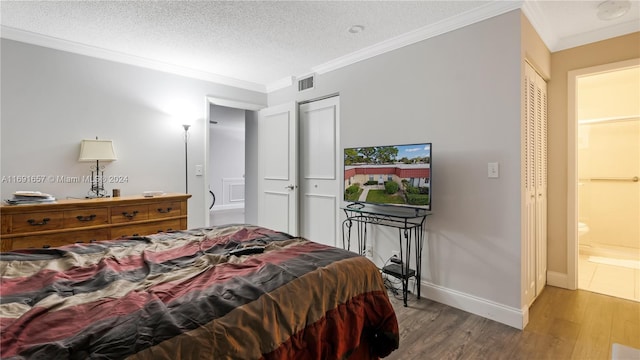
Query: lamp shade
[{"x": 92, "y": 150}]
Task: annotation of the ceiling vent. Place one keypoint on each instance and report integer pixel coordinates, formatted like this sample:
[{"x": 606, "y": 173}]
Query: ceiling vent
[{"x": 306, "y": 83}]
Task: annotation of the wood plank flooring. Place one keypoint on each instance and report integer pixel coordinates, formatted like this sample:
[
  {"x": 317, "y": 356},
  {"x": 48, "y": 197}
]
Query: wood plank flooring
[{"x": 563, "y": 324}]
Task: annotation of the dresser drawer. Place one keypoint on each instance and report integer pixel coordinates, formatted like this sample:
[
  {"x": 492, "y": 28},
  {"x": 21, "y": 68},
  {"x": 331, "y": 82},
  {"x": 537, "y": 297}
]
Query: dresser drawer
[
  {"x": 123, "y": 214},
  {"x": 36, "y": 221},
  {"x": 85, "y": 217},
  {"x": 55, "y": 240},
  {"x": 144, "y": 229},
  {"x": 163, "y": 210}
]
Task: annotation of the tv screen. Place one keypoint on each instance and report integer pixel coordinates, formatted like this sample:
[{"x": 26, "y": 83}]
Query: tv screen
[{"x": 398, "y": 175}]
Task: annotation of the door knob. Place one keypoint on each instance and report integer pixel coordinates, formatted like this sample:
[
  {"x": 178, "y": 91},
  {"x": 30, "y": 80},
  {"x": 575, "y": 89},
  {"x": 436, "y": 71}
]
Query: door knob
[{"x": 290, "y": 187}]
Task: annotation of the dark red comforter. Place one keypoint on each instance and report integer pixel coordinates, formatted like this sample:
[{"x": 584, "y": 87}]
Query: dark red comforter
[{"x": 181, "y": 295}]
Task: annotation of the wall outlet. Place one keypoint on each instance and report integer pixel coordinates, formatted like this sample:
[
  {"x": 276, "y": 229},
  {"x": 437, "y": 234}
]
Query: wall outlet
[{"x": 368, "y": 253}]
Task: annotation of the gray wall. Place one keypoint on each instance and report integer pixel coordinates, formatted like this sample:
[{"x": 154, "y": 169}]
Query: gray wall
[
  {"x": 460, "y": 91},
  {"x": 53, "y": 99},
  {"x": 251, "y": 168}
]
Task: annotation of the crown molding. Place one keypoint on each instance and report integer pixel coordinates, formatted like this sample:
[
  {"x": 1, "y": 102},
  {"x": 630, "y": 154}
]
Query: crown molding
[
  {"x": 100, "y": 53},
  {"x": 534, "y": 13},
  {"x": 530, "y": 8},
  {"x": 487, "y": 11},
  {"x": 597, "y": 35},
  {"x": 280, "y": 84}
]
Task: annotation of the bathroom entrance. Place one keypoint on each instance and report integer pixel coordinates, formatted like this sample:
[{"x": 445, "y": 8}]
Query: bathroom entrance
[
  {"x": 226, "y": 164},
  {"x": 608, "y": 188}
]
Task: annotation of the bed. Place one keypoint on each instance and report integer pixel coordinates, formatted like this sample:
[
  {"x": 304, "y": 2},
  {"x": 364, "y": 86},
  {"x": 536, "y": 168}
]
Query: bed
[{"x": 188, "y": 295}]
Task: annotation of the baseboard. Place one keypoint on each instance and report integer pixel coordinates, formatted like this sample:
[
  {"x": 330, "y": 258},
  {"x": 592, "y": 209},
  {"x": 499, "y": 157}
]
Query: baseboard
[
  {"x": 226, "y": 207},
  {"x": 513, "y": 317},
  {"x": 557, "y": 279}
]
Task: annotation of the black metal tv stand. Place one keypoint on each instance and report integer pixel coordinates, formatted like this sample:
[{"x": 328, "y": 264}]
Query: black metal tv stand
[{"x": 409, "y": 222}]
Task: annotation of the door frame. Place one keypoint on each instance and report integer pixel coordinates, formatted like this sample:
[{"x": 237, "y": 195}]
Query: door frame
[
  {"x": 572, "y": 161},
  {"x": 219, "y": 101}
]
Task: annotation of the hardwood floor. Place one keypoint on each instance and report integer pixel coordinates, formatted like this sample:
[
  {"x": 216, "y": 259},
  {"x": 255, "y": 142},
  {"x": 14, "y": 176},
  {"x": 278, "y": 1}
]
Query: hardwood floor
[{"x": 563, "y": 324}]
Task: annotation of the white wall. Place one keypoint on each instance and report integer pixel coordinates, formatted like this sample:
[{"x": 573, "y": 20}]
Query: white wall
[
  {"x": 226, "y": 151},
  {"x": 460, "y": 91},
  {"x": 53, "y": 99}
]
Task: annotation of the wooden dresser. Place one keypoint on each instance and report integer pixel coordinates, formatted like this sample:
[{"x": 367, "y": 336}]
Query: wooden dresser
[{"x": 87, "y": 220}]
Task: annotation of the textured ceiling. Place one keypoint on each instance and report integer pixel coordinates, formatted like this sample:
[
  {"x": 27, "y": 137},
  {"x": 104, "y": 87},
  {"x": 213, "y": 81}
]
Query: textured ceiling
[{"x": 262, "y": 42}]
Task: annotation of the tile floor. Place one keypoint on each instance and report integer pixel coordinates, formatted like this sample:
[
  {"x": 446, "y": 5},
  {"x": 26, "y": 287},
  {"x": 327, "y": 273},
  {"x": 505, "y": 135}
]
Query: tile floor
[{"x": 618, "y": 281}]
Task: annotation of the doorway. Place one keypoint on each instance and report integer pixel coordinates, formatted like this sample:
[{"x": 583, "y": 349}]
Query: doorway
[
  {"x": 227, "y": 165},
  {"x": 607, "y": 115},
  {"x": 230, "y": 180}
]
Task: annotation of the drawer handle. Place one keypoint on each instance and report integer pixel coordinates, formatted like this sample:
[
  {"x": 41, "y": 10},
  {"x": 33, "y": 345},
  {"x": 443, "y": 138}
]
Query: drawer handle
[
  {"x": 160, "y": 210},
  {"x": 130, "y": 215},
  {"x": 92, "y": 241},
  {"x": 33, "y": 222},
  {"x": 86, "y": 218},
  {"x": 46, "y": 246},
  {"x": 135, "y": 234}
]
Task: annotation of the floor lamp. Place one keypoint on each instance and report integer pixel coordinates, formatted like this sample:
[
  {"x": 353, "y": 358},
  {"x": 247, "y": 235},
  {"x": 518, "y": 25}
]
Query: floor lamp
[{"x": 186, "y": 158}]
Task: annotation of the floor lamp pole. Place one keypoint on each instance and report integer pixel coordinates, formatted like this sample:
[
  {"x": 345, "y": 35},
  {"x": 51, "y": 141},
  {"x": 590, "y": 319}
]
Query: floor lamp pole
[{"x": 186, "y": 158}]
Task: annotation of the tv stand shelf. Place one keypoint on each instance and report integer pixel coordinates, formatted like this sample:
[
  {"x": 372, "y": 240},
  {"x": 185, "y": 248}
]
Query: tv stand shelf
[{"x": 410, "y": 225}]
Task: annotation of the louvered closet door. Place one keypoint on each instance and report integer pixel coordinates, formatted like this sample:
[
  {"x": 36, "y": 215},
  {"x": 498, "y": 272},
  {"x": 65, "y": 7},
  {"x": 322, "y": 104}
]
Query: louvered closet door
[
  {"x": 541, "y": 182},
  {"x": 529, "y": 187},
  {"x": 535, "y": 182}
]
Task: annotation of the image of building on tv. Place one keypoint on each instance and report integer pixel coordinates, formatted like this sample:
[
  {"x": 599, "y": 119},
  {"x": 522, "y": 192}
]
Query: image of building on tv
[{"x": 390, "y": 175}]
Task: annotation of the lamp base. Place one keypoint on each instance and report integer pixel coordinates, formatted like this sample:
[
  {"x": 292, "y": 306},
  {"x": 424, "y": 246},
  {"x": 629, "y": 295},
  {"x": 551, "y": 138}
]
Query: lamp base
[{"x": 97, "y": 197}]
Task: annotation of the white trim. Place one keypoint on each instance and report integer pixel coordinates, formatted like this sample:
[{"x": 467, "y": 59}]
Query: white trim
[
  {"x": 226, "y": 207},
  {"x": 100, "y": 53},
  {"x": 538, "y": 20},
  {"x": 536, "y": 16},
  {"x": 513, "y": 317},
  {"x": 226, "y": 102},
  {"x": 280, "y": 84},
  {"x": 572, "y": 187},
  {"x": 557, "y": 279},
  {"x": 484, "y": 12},
  {"x": 529, "y": 7},
  {"x": 596, "y": 35}
]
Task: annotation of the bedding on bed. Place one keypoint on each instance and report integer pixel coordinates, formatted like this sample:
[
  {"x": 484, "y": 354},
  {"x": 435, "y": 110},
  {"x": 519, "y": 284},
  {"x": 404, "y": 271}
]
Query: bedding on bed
[{"x": 182, "y": 295}]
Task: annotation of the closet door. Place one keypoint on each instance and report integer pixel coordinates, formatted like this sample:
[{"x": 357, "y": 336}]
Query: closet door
[
  {"x": 529, "y": 181},
  {"x": 535, "y": 182},
  {"x": 541, "y": 182}
]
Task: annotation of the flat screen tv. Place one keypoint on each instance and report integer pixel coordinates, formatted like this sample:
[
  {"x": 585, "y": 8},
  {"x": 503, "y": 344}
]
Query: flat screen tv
[{"x": 398, "y": 175}]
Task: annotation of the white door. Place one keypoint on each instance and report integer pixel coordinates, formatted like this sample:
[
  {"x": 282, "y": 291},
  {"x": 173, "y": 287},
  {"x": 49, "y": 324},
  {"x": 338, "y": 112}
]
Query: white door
[
  {"x": 529, "y": 186},
  {"x": 319, "y": 172},
  {"x": 541, "y": 183},
  {"x": 535, "y": 183},
  {"x": 278, "y": 168}
]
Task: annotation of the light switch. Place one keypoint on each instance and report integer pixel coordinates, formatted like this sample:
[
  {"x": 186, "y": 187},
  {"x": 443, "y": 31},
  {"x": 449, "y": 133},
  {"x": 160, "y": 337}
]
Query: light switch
[
  {"x": 198, "y": 170},
  {"x": 493, "y": 170}
]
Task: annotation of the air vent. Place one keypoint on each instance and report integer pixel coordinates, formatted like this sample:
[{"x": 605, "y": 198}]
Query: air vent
[{"x": 306, "y": 83}]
